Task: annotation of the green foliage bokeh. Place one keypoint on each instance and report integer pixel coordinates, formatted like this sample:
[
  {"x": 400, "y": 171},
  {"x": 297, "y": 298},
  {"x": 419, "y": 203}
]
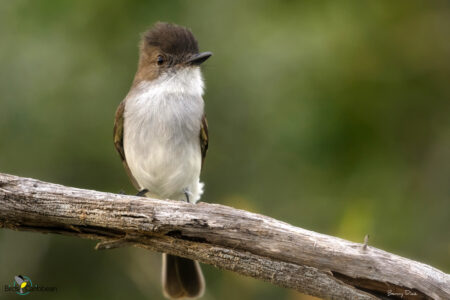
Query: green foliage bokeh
[{"x": 330, "y": 115}]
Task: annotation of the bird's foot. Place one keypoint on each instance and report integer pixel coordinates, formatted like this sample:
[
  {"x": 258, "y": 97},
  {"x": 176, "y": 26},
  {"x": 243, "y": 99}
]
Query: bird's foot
[
  {"x": 142, "y": 193},
  {"x": 187, "y": 193}
]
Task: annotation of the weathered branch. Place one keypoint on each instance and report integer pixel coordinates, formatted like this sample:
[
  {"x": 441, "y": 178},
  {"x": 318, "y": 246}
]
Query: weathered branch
[{"x": 232, "y": 239}]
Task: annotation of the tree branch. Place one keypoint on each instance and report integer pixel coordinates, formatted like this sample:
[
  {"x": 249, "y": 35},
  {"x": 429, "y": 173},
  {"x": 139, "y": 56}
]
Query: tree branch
[{"x": 232, "y": 239}]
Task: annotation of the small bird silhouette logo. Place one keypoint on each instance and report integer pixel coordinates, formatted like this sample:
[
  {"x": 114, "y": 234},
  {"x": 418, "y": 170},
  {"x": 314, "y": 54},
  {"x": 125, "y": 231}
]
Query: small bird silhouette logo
[{"x": 22, "y": 283}]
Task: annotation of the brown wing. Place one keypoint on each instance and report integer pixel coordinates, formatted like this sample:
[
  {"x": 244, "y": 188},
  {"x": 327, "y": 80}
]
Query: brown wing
[
  {"x": 204, "y": 138},
  {"x": 118, "y": 141}
]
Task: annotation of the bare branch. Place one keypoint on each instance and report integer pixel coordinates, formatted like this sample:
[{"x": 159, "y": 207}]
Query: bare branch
[{"x": 232, "y": 239}]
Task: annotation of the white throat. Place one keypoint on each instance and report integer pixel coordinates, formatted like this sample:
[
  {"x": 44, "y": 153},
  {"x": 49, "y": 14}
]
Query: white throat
[{"x": 186, "y": 81}]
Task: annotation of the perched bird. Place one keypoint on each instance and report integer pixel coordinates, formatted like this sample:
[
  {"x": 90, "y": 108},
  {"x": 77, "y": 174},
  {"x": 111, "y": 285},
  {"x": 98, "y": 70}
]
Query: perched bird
[{"x": 161, "y": 134}]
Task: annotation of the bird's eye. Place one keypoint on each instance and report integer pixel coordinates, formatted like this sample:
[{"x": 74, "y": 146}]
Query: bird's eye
[{"x": 160, "y": 60}]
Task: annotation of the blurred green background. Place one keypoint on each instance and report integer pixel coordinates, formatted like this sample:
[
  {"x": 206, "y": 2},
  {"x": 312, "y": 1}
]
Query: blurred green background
[{"x": 330, "y": 115}]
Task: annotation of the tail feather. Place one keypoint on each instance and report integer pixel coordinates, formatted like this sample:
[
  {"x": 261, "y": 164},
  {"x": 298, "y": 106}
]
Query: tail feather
[{"x": 182, "y": 278}]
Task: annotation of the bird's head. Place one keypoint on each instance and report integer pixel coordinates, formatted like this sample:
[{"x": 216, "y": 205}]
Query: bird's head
[{"x": 167, "y": 49}]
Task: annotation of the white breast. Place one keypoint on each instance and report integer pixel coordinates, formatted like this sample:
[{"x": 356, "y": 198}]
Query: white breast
[{"x": 161, "y": 134}]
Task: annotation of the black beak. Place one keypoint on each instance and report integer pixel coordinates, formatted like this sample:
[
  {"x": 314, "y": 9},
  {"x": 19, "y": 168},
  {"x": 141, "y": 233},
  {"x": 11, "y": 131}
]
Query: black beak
[{"x": 198, "y": 59}]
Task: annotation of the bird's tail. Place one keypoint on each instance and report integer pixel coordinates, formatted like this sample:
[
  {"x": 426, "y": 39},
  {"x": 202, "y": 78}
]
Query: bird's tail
[{"x": 182, "y": 277}]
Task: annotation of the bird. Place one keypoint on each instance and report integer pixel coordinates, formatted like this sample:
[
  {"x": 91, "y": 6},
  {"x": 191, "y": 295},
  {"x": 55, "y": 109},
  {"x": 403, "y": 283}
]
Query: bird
[{"x": 161, "y": 134}]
